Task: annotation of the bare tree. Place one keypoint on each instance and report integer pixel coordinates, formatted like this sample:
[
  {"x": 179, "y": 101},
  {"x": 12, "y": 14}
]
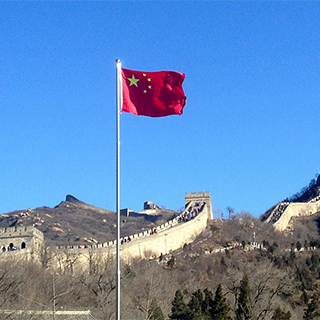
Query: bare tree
[
  {"x": 267, "y": 285},
  {"x": 230, "y": 212},
  {"x": 45, "y": 256},
  {"x": 8, "y": 283},
  {"x": 149, "y": 284},
  {"x": 100, "y": 285}
]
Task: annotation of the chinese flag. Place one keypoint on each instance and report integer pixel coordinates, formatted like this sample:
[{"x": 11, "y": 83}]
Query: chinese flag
[{"x": 152, "y": 94}]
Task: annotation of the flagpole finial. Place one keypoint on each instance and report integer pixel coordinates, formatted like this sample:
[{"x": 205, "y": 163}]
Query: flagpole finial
[{"x": 117, "y": 61}]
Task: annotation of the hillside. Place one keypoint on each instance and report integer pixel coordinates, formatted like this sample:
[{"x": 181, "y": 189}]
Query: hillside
[
  {"x": 307, "y": 193},
  {"x": 283, "y": 268},
  {"x": 74, "y": 222},
  {"x": 306, "y": 228},
  {"x": 197, "y": 266}
]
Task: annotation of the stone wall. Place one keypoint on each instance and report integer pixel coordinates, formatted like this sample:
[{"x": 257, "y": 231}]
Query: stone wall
[
  {"x": 167, "y": 240},
  {"x": 202, "y": 197},
  {"x": 296, "y": 209},
  {"x": 151, "y": 243},
  {"x": 20, "y": 238},
  {"x": 162, "y": 239}
]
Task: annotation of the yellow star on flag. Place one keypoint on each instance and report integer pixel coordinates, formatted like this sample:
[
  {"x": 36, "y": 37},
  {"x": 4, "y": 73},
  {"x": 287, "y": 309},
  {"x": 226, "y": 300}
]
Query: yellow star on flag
[{"x": 133, "y": 81}]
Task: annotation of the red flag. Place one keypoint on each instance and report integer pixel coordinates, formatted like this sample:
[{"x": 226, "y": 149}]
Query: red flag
[{"x": 152, "y": 94}]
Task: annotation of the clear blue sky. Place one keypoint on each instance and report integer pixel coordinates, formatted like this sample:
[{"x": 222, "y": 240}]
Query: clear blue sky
[{"x": 249, "y": 133}]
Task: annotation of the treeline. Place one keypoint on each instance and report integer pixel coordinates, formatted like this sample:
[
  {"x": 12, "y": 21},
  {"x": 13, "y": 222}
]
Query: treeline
[
  {"x": 306, "y": 193},
  {"x": 202, "y": 305},
  {"x": 205, "y": 306}
]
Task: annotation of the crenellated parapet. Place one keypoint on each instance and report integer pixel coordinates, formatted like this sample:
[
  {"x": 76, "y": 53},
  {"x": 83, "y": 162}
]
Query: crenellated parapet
[
  {"x": 20, "y": 238},
  {"x": 194, "y": 196},
  {"x": 200, "y": 197},
  {"x": 162, "y": 239},
  {"x": 284, "y": 211},
  {"x": 191, "y": 211}
]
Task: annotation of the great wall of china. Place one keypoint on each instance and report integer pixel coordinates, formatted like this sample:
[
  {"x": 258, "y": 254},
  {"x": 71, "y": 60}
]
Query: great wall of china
[
  {"x": 28, "y": 241},
  {"x": 284, "y": 211}
]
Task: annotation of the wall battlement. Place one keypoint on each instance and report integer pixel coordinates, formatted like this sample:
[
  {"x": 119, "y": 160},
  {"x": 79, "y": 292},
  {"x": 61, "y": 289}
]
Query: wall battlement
[
  {"x": 202, "y": 197},
  {"x": 19, "y": 231},
  {"x": 296, "y": 209},
  {"x": 196, "y": 195},
  {"x": 18, "y": 238},
  {"x": 284, "y": 211},
  {"x": 162, "y": 239}
]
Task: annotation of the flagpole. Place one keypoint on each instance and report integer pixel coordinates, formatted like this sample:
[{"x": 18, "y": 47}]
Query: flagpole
[{"x": 119, "y": 102}]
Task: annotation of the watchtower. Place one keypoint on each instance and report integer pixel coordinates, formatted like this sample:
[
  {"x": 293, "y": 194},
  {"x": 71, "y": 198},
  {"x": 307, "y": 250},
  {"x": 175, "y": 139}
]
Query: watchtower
[
  {"x": 200, "y": 197},
  {"x": 20, "y": 238}
]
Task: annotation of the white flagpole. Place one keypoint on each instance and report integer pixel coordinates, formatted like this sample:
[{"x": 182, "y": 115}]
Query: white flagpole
[{"x": 119, "y": 103}]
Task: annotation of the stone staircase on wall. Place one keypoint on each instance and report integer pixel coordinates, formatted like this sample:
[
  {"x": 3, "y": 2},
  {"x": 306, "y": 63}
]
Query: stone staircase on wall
[
  {"x": 284, "y": 211},
  {"x": 164, "y": 238}
]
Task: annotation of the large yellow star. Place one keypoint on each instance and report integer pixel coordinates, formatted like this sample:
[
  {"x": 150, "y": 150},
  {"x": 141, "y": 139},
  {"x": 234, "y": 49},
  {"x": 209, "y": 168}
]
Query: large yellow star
[{"x": 133, "y": 81}]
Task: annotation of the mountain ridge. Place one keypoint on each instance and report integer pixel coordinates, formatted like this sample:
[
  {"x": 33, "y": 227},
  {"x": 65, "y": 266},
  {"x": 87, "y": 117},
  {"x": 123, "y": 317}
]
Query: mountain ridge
[{"x": 74, "y": 222}]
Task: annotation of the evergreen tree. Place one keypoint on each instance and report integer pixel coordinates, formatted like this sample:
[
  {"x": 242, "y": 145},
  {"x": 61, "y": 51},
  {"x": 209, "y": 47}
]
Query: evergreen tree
[
  {"x": 155, "y": 312},
  {"x": 244, "y": 309},
  {"x": 279, "y": 314},
  {"x": 223, "y": 262},
  {"x": 207, "y": 303},
  {"x": 304, "y": 297},
  {"x": 314, "y": 259},
  {"x": 219, "y": 308},
  {"x": 298, "y": 245},
  {"x": 172, "y": 262},
  {"x": 195, "y": 305},
  {"x": 312, "y": 311},
  {"x": 199, "y": 295},
  {"x": 179, "y": 310}
]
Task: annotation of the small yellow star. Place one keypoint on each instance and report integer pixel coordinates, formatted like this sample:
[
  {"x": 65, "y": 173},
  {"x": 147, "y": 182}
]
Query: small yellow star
[
  {"x": 144, "y": 91},
  {"x": 149, "y": 87},
  {"x": 144, "y": 74},
  {"x": 133, "y": 81},
  {"x": 149, "y": 79}
]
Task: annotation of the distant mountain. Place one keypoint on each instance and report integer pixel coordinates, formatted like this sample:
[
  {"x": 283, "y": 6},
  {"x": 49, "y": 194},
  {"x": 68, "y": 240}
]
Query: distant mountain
[{"x": 74, "y": 222}]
